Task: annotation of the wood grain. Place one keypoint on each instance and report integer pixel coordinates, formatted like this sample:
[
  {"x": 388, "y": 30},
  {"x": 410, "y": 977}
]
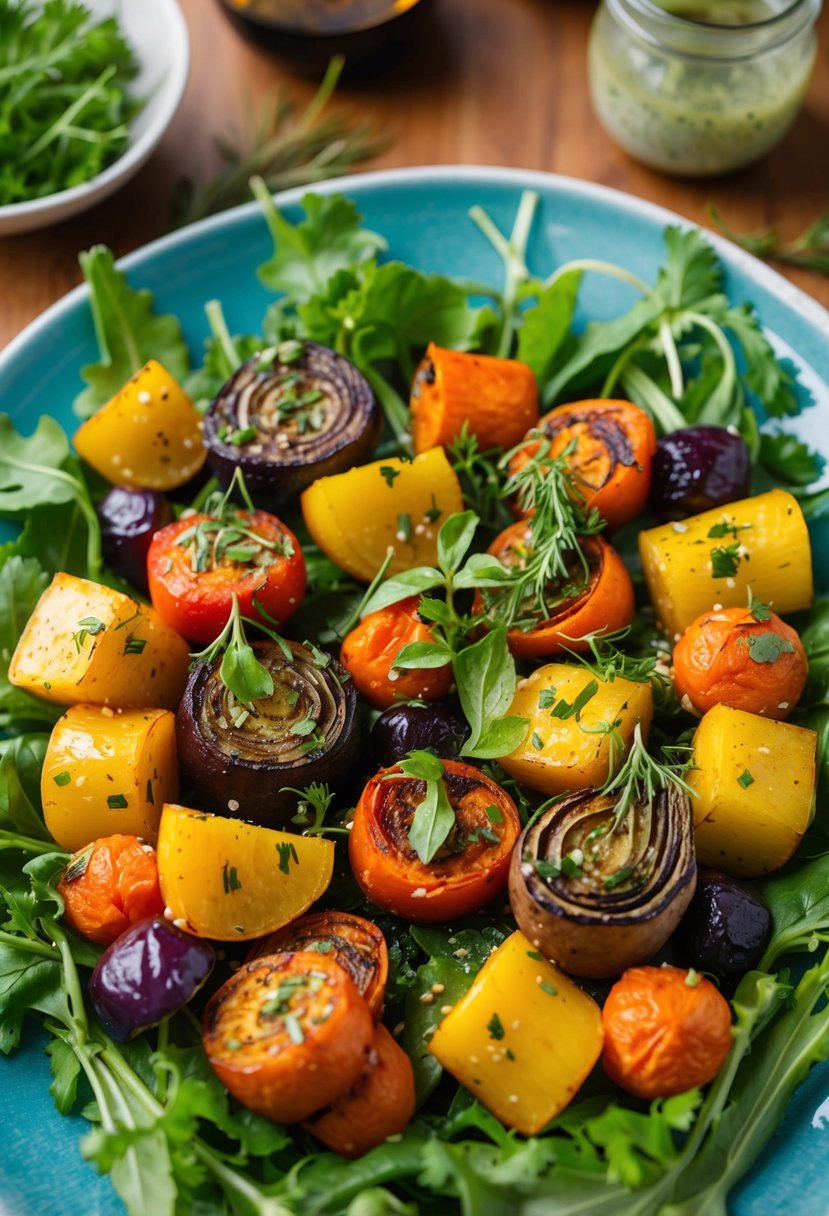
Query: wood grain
[{"x": 499, "y": 82}]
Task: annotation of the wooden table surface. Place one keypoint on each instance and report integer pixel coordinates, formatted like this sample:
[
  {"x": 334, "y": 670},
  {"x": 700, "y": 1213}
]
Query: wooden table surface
[{"x": 499, "y": 82}]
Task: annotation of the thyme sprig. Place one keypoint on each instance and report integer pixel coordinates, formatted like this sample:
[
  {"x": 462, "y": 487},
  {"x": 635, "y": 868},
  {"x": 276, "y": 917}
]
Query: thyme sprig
[{"x": 810, "y": 250}]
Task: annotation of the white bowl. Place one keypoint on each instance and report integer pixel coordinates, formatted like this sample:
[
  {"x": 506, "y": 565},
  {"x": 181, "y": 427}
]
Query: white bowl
[{"x": 157, "y": 33}]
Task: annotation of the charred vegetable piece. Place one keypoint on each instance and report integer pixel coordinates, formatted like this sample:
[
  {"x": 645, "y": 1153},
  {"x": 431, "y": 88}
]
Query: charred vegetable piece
[
  {"x": 369, "y": 651},
  {"x": 109, "y": 885},
  {"x": 759, "y": 544},
  {"x": 353, "y": 942},
  {"x": 288, "y": 1034},
  {"x": 746, "y": 658},
  {"x": 108, "y": 771},
  {"x": 241, "y": 759},
  {"x": 291, "y": 414},
  {"x": 199, "y": 563},
  {"x": 469, "y": 868},
  {"x": 666, "y": 1030},
  {"x": 87, "y": 643},
  {"x": 496, "y": 399},
  {"x": 407, "y": 728},
  {"x": 129, "y": 520},
  {"x": 725, "y": 929},
  {"x": 148, "y": 973},
  {"x": 149, "y": 435},
  {"x": 697, "y": 468},
  {"x": 522, "y": 1039},
  {"x": 754, "y": 781},
  {"x": 597, "y": 598},
  {"x": 567, "y": 747},
  {"x": 609, "y": 447},
  {"x": 598, "y": 896},
  {"x": 379, "y": 1104},
  {"x": 233, "y": 881}
]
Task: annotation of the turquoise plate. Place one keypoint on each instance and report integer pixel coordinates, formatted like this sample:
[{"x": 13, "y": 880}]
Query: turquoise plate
[{"x": 423, "y": 214}]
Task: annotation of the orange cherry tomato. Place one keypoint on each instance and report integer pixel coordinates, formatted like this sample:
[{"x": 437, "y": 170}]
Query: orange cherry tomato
[
  {"x": 497, "y": 399},
  {"x": 109, "y": 885},
  {"x": 196, "y": 565},
  {"x": 729, "y": 657},
  {"x": 287, "y": 1034},
  {"x": 353, "y": 942},
  {"x": 369, "y": 651},
  {"x": 470, "y": 868},
  {"x": 603, "y": 605},
  {"x": 378, "y": 1105},
  {"x": 613, "y": 445},
  {"x": 666, "y": 1030}
]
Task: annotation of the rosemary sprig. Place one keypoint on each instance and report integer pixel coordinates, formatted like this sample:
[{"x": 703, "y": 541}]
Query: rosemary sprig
[
  {"x": 285, "y": 150},
  {"x": 553, "y": 559},
  {"x": 810, "y": 250},
  {"x": 641, "y": 776}
]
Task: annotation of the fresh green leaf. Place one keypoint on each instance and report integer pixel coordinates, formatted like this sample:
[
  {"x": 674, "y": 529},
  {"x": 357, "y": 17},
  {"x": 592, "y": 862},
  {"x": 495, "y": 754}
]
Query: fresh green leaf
[
  {"x": 21, "y": 584},
  {"x": 485, "y": 676},
  {"x": 767, "y": 647},
  {"x": 546, "y": 325},
  {"x": 454, "y": 539},
  {"x": 128, "y": 330},
  {"x": 788, "y": 459},
  {"x": 402, "y": 586},
  {"x": 421, "y": 655}
]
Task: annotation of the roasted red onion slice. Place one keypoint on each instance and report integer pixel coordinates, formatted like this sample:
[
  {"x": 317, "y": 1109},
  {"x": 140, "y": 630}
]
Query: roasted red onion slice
[
  {"x": 596, "y": 899},
  {"x": 291, "y": 414},
  {"x": 240, "y": 759}
]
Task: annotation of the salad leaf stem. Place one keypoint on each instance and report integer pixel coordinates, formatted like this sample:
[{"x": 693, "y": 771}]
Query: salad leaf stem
[{"x": 513, "y": 251}]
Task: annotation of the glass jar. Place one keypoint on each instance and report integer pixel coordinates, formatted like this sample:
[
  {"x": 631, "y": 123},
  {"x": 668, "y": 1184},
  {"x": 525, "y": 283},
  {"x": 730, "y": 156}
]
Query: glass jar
[{"x": 698, "y": 87}]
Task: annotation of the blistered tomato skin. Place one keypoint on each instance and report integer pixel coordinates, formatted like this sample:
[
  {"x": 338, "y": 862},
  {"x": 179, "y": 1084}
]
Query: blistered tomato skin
[
  {"x": 129, "y": 520},
  {"x": 147, "y": 974},
  {"x": 405, "y": 728},
  {"x": 667, "y": 1030},
  {"x": 697, "y": 468},
  {"x": 726, "y": 928}
]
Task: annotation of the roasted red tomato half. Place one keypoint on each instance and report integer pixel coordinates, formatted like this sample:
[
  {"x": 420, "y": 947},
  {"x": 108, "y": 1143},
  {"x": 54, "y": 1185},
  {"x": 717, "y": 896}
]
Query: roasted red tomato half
[
  {"x": 197, "y": 564},
  {"x": 468, "y": 870}
]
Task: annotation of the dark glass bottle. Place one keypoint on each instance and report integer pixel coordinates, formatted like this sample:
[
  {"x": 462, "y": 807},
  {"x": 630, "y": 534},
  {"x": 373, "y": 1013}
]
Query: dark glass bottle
[{"x": 371, "y": 34}]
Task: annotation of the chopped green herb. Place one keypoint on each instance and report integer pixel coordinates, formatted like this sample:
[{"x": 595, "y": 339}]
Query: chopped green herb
[
  {"x": 493, "y": 814},
  {"x": 149, "y": 797},
  {"x": 90, "y": 626},
  {"x": 571, "y": 864},
  {"x": 242, "y": 436},
  {"x": 759, "y": 610},
  {"x": 767, "y": 647},
  {"x": 718, "y": 531},
  {"x": 548, "y": 988},
  {"x": 134, "y": 645},
  {"x": 290, "y": 351},
  {"x": 745, "y": 779},
  {"x": 693, "y": 978},
  {"x": 388, "y": 473},
  {"x": 287, "y": 854},
  {"x": 293, "y": 697},
  {"x": 545, "y": 869},
  {"x": 535, "y": 955},
  {"x": 495, "y": 1027},
  {"x": 232, "y": 1044},
  {"x": 230, "y": 879},
  {"x": 537, "y": 741},
  {"x": 725, "y": 562},
  {"x": 404, "y": 526},
  {"x": 305, "y": 727},
  {"x": 63, "y": 778},
  {"x": 616, "y": 880},
  {"x": 77, "y": 868},
  {"x": 295, "y": 1031},
  {"x": 320, "y": 947},
  {"x": 509, "y": 1054},
  {"x": 128, "y": 621},
  {"x": 434, "y": 513},
  {"x": 117, "y": 802}
]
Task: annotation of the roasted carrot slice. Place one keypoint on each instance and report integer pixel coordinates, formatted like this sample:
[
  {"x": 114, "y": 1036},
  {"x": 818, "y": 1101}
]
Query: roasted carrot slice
[
  {"x": 611, "y": 448},
  {"x": 379, "y": 1104},
  {"x": 496, "y": 398},
  {"x": 109, "y": 885},
  {"x": 287, "y": 1034},
  {"x": 353, "y": 942}
]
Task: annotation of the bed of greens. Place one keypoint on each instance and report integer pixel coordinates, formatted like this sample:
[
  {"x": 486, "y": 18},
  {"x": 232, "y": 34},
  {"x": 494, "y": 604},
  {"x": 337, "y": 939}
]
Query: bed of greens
[{"x": 161, "y": 1122}]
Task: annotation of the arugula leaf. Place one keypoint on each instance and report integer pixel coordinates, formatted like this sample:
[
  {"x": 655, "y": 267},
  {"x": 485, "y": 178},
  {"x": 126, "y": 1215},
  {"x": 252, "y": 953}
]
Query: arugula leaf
[
  {"x": 307, "y": 254},
  {"x": 485, "y": 676},
  {"x": 129, "y": 332},
  {"x": 547, "y": 324},
  {"x": 21, "y": 584},
  {"x": 798, "y": 899},
  {"x": 21, "y": 760}
]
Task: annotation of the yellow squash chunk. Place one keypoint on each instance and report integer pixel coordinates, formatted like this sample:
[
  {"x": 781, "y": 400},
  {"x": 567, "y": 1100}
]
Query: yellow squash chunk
[
  {"x": 87, "y": 643},
  {"x": 231, "y": 881},
  {"x": 356, "y": 517},
  {"x": 755, "y": 786},
  {"x": 522, "y": 1039},
  {"x": 149, "y": 435},
  {"x": 108, "y": 771},
  {"x": 761, "y": 543},
  {"x": 563, "y": 754}
]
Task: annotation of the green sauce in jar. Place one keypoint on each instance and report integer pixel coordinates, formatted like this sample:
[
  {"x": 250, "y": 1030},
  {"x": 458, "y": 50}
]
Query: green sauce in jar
[{"x": 700, "y": 88}]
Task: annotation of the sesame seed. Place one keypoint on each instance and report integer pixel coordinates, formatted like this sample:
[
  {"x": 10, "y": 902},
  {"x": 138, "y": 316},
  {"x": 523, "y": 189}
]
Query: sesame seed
[{"x": 427, "y": 998}]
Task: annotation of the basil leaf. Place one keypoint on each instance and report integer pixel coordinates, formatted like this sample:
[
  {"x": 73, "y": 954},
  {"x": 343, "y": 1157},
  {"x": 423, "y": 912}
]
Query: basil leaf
[
  {"x": 423, "y": 655},
  {"x": 482, "y": 570},
  {"x": 547, "y": 325},
  {"x": 485, "y": 676},
  {"x": 433, "y": 821},
  {"x": 424, "y": 765},
  {"x": 454, "y": 539},
  {"x": 244, "y": 675},
  {"x": 401, "y": 586}
]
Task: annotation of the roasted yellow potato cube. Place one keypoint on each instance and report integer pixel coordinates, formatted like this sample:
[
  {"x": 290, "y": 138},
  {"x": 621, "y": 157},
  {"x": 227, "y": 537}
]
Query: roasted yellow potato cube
[
  {"x": 232, "y": 881},
  {"x": 573, "y": 752},
  {"x": 358, "y": 516},
  {"x": 522, "y": 1039},
  {"x": 759, "y": 543},
  {"x": 149, "y": 435},
  {"x": 85, "y": 643},
  {"x": 754, "y": 781},
  {"x": 108, "y": 771}
]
